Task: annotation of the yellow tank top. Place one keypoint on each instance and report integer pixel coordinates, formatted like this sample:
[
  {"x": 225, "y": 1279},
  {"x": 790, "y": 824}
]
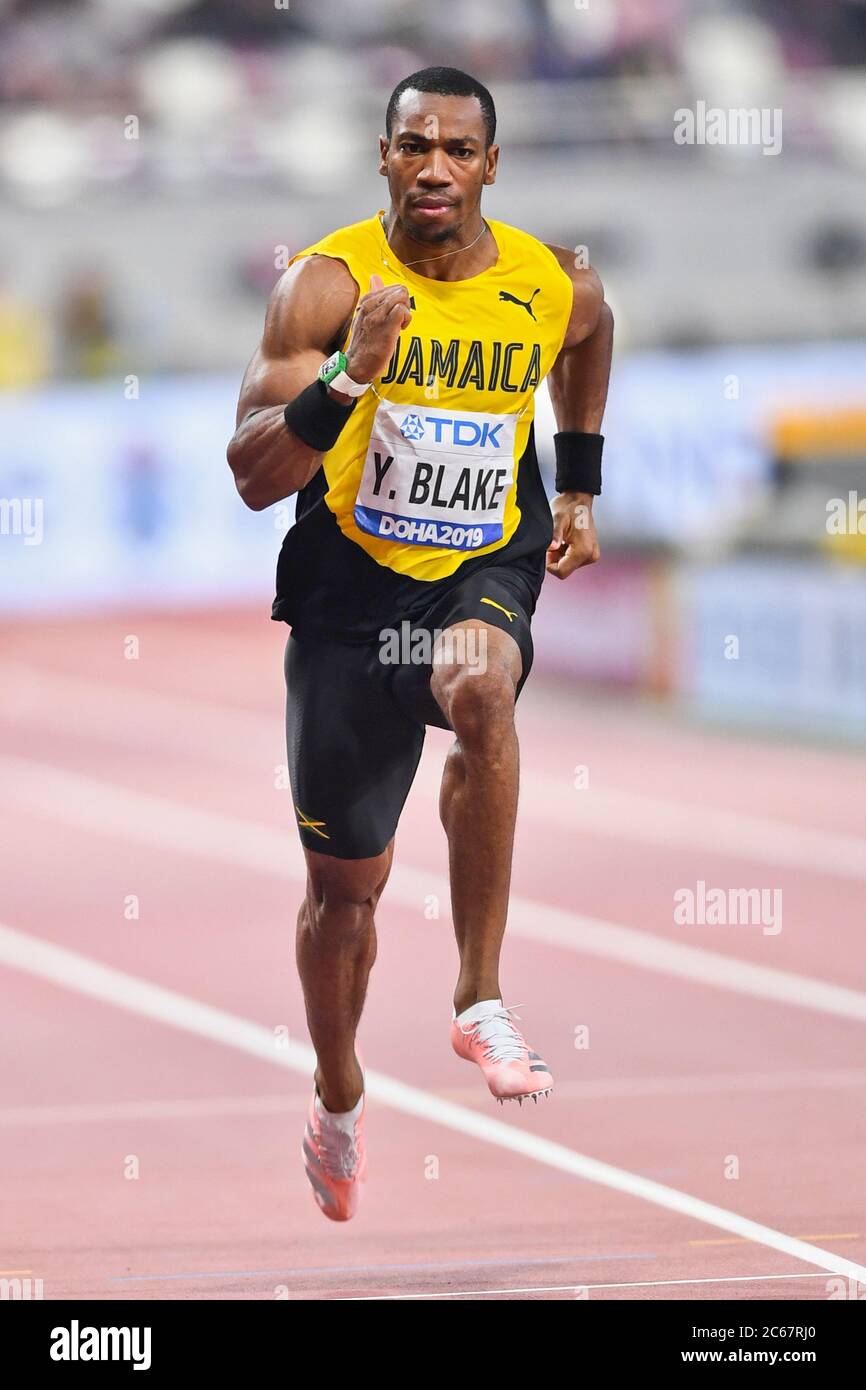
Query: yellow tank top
[{"x": 424, "y": 475}]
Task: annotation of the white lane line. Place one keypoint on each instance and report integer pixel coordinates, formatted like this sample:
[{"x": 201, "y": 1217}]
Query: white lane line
[
  {"x": 682, "y": 825},
  {"x": 74, "y": 971},
  {"x": 108, "y": 809},
  {"x": 648, "y": 1087},
  {"x": 189, "y": 725},
  {"x": 568, "y": 1288},
  {"x": 137, "y": 718},
  {"x": 219, "y": 1106},
  {"x": 635, "y": 1088}
]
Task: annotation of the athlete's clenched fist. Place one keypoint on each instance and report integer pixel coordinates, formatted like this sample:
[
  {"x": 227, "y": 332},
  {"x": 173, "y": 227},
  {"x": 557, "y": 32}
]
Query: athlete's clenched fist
[
  {"x": 380, "y": 317},
  {"x": 575, "y": 542}
]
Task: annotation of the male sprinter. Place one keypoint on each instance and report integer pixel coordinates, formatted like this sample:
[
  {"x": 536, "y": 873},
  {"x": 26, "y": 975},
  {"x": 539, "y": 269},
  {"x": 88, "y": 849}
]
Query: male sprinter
[{"x": 393, "y": 392}]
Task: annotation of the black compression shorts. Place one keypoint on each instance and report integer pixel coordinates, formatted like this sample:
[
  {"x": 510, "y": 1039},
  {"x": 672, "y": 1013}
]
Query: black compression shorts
[{"x": 356, "y": 715}]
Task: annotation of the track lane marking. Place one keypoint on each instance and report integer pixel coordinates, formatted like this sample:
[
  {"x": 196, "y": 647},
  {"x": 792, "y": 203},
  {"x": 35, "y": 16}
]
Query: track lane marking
[
  {"x": 93, "y": 804},
  {"x": 404, "y": 1268},
  {"x": 570, "y": 1288},
  {"x": 280, "y": 1103},
  {"x": 186, "y": 723},
  {"x": 74, "y": 971},
  {"x": 737, "y": 1240}
]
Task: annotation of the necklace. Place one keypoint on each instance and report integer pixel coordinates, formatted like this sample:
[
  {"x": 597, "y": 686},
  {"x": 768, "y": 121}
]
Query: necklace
[{"x": 425, "y": 259}]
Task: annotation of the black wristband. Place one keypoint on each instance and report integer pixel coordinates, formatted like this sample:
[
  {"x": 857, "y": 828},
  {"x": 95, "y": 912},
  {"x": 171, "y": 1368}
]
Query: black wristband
[
  {"x": 316, "y": 418},
  {"x": 578, "y": 461}
]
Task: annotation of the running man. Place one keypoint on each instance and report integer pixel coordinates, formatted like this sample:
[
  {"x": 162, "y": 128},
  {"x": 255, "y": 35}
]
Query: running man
[{"x": 393, "y": 392}]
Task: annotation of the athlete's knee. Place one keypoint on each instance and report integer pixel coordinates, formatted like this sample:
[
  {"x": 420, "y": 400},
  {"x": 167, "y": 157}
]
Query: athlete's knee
[
  {"x": 479, "y": 705},
  {"x": 342, "y": 893}
]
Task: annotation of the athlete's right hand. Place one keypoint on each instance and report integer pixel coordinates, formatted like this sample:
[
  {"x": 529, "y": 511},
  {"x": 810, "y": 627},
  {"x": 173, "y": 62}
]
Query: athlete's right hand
[{"x": 380, "y": 317}]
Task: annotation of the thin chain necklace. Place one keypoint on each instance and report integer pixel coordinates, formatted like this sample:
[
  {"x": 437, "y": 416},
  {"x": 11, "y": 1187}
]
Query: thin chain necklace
[{"x": 425, "y": 259}]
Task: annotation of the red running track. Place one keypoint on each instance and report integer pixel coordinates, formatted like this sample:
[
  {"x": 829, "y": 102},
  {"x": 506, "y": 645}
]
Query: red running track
[{"x": 706, "y": 1134}]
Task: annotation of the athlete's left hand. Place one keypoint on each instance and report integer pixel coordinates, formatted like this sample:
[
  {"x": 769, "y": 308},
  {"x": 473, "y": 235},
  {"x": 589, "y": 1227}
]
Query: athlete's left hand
[{"x": 575, "y": 542}]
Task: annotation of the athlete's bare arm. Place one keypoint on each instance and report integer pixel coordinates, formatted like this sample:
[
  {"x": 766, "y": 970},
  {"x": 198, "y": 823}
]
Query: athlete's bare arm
[
  {"x": 578, "y": 382},
  {"x": 578, "y": 378},
  {"x": 308, "y": 314}
]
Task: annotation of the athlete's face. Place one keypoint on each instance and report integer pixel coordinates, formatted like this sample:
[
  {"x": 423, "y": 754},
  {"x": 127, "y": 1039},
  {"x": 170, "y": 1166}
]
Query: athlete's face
[{"x": 436, "y": 163}]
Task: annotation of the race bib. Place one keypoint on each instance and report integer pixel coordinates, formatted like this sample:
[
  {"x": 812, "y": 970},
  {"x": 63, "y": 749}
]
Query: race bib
[{"x": 436, "y": 476}]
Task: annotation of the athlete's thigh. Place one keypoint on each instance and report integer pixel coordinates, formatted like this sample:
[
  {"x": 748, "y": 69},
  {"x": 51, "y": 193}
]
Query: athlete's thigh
[
  {"x": 352, "y": 752},
  {"x": 466, "y": 613}
]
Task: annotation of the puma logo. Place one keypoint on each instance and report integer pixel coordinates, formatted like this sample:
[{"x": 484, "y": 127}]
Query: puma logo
[
  {"x": 494, "y": 604},
  {"x": 527, "y": 303}
]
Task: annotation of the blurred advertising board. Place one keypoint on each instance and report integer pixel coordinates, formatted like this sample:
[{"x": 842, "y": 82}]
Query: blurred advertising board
[
  {"x": 782, "y": 643},
  {"x": 608, "y": 622},
  {"x": 691, "y": 436},
  {"x": 107, "y": 498},
  {"x": 119, "y": 490}
]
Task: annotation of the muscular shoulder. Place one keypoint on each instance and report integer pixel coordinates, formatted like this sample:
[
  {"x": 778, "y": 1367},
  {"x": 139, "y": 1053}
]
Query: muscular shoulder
[
  {"x": 585, "y": 280},
  {"x": 588, "y": 294},
  {"x": 311, "y": 304}
]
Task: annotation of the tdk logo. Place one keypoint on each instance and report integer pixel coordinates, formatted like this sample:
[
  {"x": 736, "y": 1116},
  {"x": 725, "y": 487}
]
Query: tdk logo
[
  {"x": 449, "y": 430},
  {"x": 412, "y": 428}
]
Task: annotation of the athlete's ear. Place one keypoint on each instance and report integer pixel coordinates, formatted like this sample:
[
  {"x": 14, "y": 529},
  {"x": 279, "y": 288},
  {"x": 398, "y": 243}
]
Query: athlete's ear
[
  {"x": 492, "y": 164},
  {"x": 383, "y": 155}
]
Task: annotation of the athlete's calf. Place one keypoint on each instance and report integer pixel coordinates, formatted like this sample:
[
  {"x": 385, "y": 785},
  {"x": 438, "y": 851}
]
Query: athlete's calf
[
  {"x": 335, "y": 950},
  {"x": 478, "y": 806}
]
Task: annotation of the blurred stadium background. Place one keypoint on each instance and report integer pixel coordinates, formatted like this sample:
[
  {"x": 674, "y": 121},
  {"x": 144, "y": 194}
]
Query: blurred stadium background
[{"x": 160, "y": 159}]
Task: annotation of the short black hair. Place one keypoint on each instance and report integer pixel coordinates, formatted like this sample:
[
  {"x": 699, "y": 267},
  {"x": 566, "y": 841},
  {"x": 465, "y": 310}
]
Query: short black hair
[{"x": 446, "y": 82}]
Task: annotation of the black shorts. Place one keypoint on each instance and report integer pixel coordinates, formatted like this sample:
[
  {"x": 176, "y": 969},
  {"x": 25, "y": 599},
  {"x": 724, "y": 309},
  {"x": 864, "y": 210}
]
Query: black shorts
[{"x": 356, "y": 715}]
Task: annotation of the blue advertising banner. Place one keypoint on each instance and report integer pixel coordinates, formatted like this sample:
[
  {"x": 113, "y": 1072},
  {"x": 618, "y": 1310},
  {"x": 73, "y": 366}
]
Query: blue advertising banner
[
  {"x": 688, "y": 435},
  {"x": 120, "y": 490},
  {"x": 107, "y": 499},
  {"x": 784, "y": 643}
]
